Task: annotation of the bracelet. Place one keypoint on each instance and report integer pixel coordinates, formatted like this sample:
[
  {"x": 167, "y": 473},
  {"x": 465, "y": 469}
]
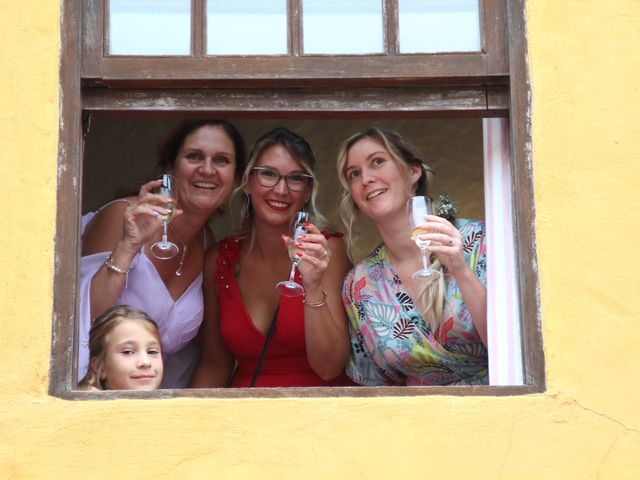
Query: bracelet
[
  {"x": 319, "y": 304},
  {"x": 114, "y": 268}
]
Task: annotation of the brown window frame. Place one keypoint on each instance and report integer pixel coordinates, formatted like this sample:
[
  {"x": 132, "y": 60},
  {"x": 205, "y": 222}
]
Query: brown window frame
[
  {"x": 140, "y": 89},
  {"x": 198, "y": 68}
]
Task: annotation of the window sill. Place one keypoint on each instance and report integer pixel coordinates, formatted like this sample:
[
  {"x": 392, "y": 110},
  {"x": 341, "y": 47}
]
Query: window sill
[{"x": 306, "y": 392}]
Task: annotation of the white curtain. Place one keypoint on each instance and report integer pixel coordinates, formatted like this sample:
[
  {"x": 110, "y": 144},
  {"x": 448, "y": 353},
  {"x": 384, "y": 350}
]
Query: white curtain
[{"x": 504, "y": 332}]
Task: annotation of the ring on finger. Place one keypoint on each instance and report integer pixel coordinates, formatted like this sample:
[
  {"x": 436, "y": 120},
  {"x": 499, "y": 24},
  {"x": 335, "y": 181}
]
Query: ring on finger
[{"x": 324, "y": 253}]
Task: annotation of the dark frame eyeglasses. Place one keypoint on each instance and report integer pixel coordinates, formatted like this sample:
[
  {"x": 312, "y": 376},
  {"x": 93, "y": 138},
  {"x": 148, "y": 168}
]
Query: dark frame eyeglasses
[{"x": 269, "y": 177}]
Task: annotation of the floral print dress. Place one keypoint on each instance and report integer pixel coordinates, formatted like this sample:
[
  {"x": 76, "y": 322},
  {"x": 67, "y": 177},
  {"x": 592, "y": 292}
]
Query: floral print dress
[{"x": 391, "y": 344}]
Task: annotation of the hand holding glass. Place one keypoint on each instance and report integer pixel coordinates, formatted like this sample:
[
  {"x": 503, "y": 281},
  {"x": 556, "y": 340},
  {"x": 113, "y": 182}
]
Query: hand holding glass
[
  {"x": 419, "y": 207},
  {"x": 164, "y": 249},
  {"x": 290, "y": 288}
]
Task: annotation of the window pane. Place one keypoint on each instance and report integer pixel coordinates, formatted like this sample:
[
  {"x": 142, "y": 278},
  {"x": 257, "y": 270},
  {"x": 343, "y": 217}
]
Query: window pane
[
  {"x": 246, "y": 27},
  {"x": 150, "y": 27},
  {"x": 430, "y": 26},
  {"x": 342, "y": 26}
]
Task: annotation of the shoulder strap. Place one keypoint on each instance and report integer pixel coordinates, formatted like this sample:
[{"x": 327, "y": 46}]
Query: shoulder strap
[{"x": 272, "y": 329}]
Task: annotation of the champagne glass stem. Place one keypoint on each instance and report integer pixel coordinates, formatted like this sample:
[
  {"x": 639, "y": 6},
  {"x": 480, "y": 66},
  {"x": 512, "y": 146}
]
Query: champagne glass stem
[
  {"x": 425, "y": 259},
  {"x": 164, "y": 232},
  {"x": 293, "y": 271}
]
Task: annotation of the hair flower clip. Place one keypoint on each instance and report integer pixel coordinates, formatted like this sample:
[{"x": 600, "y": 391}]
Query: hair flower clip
[{"x": 446, "y": 206}]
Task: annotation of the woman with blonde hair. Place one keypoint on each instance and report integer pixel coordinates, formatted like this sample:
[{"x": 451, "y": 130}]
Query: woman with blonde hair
[
  {"x": 406, "y": 330},
  {"x": 275, "y": 340}
]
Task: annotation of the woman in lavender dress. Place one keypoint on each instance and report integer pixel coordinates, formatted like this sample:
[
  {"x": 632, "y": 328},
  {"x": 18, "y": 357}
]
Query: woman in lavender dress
[{"x": 206, "y": 158}]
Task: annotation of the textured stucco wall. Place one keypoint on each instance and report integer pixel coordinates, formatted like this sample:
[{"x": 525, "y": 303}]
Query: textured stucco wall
[{"x": 587, "y": 425}]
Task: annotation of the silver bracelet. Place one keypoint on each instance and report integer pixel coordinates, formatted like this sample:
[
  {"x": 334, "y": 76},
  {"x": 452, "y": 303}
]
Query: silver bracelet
[
  {"x": 319, "y": 304},
  {"x": 114, "y": 268}
]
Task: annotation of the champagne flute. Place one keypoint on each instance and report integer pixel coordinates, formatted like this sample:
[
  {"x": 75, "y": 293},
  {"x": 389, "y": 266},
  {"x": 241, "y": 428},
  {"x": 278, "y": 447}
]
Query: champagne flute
[
  {"x": 164, "y": 249},
  {"x": 290, "y": 288},
  {"x": 419, "y": 207}
]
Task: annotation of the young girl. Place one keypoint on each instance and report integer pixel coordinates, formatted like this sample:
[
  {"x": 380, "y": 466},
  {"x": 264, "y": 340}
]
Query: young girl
[{"x": 125, "y": 352}]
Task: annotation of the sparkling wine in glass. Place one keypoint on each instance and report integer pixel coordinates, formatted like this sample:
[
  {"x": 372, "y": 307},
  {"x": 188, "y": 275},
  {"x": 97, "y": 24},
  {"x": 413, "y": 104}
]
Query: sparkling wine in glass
[
  {"x": 419, "y": 207},
  {"x": 290, "y": 288},
  {"x": 164, "y": 249}
]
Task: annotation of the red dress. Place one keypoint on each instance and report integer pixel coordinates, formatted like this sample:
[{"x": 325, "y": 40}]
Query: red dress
[{"x": 285, "y": 364}]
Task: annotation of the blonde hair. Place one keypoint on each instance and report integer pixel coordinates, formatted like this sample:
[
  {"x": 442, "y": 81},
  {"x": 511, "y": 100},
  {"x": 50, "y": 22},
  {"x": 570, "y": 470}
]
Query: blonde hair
[
  {"x": 301, "y": 151},
  {"x": 431, "y": 297},
  {"x": 101, "y": 327}
]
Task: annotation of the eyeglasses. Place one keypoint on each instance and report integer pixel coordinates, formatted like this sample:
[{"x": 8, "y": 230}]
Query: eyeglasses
[{"x": 268, "y": 177}]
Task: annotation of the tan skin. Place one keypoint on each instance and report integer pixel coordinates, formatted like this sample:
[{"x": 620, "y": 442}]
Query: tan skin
[
  {"x": 267, "y": 263},
  {"x": 370, "y": 169},
  {"x": 204, "y": 172}
]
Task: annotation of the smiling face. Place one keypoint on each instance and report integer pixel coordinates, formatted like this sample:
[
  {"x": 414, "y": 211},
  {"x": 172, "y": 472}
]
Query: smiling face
[
  {"x": 276, "y": 205},
  {"x": 204, "y": 170},
  {"x": 133, "y": 359},
  {"x": 377, "y": 185}
]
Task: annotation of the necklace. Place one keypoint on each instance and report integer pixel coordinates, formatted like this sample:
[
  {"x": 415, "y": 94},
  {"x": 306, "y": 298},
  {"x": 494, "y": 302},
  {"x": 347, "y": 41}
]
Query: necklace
[{"x": 184, "y": 251}]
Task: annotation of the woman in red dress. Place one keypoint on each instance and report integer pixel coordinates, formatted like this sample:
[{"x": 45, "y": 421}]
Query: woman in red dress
[{"x": 310, "y": 344}]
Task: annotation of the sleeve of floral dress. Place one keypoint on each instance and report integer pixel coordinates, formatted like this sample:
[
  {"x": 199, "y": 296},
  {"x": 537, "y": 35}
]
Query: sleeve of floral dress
[
  {"x": 361, "y": 367},
  {"x": 480, "y": 265},
  {"x": 475, "y": 248}
]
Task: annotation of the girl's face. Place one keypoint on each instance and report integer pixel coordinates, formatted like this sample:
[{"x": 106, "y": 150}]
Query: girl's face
[
  {"x": 377, "y": 185},
  {"x": 204, "y": 170},
  {"x": 133, "y": 359},
  {"x": 276, "y": 205}
]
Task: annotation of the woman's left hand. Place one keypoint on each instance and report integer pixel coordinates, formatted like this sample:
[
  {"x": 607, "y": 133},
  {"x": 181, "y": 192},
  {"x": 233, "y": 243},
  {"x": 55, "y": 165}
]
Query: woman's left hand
[
  {"x": 446, "y": 243},
  {"x": 314, "y": 255}
]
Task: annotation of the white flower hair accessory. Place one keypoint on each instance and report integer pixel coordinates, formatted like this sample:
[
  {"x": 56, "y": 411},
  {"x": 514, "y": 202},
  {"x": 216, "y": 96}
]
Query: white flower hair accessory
[{"x": 446, "y": 206}]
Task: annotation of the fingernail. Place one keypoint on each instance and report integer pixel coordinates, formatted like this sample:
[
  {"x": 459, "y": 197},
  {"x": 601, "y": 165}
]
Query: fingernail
[
  {"x": 302, "y": 236},
  {"x": 299, "y": 254},
  {"x": 299, "y": 244},
  {"x": 305, "y": 224}
]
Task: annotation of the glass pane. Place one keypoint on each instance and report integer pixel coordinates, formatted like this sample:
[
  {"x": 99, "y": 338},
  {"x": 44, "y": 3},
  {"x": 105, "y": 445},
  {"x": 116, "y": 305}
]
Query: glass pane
[
  {"x": 246, "y": 27},
  {"x": 342, "y": 26},
  {"x": 429, "y": 26},
  {"x": 150, "y": 27}
]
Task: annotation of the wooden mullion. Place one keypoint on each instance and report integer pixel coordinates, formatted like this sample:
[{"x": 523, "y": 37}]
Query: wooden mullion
[
  {"x": 493, "y": 23},
  {"x": 92, "y": 36},
  {"x": 295, "y": 37},
  {"x": 105, "y": 25},
  {"x": 391, "y": 25},
  {"x": 198, "y": 28}
]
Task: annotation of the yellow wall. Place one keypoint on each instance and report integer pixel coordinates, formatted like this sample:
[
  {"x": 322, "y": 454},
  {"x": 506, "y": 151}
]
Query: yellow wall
[{"x": 584, "y": 70}]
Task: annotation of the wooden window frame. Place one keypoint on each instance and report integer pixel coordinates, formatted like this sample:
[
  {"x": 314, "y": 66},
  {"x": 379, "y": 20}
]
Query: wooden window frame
[
  {"x": 252, "y": 96},
  {"x": 198, "y": 68}
]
